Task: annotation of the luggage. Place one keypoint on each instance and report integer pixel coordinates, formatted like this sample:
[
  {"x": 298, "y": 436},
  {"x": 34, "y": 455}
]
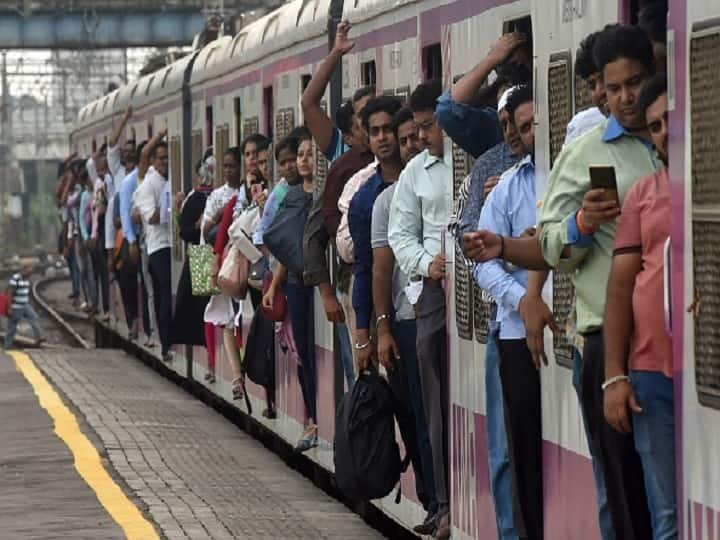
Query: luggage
[
  {"x": 367, "y": 457},
  {"x": 284, "y": 236},
  {"x": 259, "y": 359}
]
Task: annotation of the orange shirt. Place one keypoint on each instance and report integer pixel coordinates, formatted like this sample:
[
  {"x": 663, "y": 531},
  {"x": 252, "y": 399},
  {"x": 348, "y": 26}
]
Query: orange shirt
[{"x": 644, "y": 226}]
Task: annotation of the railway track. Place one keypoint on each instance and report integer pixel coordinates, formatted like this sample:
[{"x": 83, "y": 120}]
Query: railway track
[{"x": 76, "y": 329}]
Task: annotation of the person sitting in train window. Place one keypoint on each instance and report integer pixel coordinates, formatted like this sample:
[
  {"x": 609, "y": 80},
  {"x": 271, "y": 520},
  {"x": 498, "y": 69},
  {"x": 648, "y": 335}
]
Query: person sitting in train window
[
  {"x": 476, "y": 129},
  {"x": 418, "y": 218},
  {"x": 157, "y": 236},
  {"x": 264, "y": 160},
  {"x": 587, "y": 70},
  {"x": 638, "y": 352},
  {"x": 536, "y": 314},
  {"x": 652, "y": 18},
  {"x": 510, "y": 210},
  {"x": 286, "y": 157},
  {"x": 395, "y": 325},
  {"x": 328, "y": 138},
  {"x": 127, "y": 275},
  {"x": 577, "y": 228},
  {"x": 300, "y": 302}
]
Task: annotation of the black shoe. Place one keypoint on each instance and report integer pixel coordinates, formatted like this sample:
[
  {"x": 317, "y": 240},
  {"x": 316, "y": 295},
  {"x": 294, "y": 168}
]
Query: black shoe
[{"x": 428, "y": 526}]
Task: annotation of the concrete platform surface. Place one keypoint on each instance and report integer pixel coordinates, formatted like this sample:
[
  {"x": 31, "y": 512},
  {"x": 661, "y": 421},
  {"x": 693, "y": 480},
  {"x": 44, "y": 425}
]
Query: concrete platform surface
[{"x": 194, "y": 473}]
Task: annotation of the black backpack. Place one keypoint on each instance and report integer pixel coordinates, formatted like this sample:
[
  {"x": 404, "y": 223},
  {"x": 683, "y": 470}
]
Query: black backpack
[
  {"x": 367, "y": 457},
  {"x": 259, "y": 360}
]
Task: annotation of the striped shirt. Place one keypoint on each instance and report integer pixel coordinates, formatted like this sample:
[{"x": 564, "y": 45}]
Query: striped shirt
[{"x": 20, "y": 291}]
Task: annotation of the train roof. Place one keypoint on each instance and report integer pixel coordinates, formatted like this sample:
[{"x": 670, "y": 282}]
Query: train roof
[{"x": 362, "y": 10}]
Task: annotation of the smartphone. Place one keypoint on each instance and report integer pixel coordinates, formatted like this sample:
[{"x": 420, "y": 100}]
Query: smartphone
[{"x": 603, "y": 177}]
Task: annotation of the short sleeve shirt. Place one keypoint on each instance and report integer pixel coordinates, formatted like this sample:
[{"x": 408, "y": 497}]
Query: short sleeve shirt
[
  {"x": 644, "y": 227},
  {"x": 379, "y": 238}
]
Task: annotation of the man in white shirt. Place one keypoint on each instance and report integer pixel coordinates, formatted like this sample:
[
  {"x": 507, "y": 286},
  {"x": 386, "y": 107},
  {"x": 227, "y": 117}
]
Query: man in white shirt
[
  {"x": 148, "y": 199},
  {"x": 116, "y": 159}
]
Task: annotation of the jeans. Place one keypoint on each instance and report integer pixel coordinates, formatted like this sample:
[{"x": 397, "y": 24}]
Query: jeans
[
  {"x": 87, "y": 275},
  {"x": 74, "y": 272},
  {"x": 99, "y": 263},
  {"x": 607, "y": 532},
  {"x": 301, "y": 303},
  {"x": 498, "y": 456},
  {"x": 18, "y": 313},
  {"x": 161, "y": 280},
  {"x": 654, "y": 434},
  {"x": 343, "y": 335},
  {"x": 405, "y": 335}
]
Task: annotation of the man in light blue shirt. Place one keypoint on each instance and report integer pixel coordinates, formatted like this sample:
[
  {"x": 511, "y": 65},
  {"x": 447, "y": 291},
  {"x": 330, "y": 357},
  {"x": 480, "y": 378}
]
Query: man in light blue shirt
[{"x": 510, "y": 211}]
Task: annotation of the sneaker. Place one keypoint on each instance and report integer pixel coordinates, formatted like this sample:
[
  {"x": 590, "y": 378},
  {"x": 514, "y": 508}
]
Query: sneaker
[
  {"x": 443, "y": 527},
  {"x": 308, "y": 440},
  {"x": 428, "y": 526}
]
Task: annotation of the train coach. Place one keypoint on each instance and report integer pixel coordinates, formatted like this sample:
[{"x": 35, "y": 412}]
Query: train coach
[{"x": 253, "y": 82}]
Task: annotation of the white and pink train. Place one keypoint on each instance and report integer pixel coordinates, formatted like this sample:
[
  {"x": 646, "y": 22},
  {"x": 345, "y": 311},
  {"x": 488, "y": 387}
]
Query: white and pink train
[{"x": 254, "y": 81}]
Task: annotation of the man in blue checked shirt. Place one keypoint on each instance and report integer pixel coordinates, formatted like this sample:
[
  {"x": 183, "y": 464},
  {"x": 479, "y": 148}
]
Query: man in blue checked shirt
[{"x": 510, "y": 211}]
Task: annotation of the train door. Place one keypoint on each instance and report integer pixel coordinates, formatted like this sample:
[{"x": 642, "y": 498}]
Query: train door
[{"x": 694, "y": 60}]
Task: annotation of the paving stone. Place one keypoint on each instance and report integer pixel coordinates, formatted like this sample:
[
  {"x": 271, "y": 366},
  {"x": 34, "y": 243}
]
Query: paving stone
[{"x": 198, "y": 474}]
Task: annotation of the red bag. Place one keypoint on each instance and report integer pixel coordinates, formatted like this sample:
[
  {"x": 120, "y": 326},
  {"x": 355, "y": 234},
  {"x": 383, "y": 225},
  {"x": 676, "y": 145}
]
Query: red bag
[
  {"x": 279, "y": 307},
  {"x": 4, "y": 304}
]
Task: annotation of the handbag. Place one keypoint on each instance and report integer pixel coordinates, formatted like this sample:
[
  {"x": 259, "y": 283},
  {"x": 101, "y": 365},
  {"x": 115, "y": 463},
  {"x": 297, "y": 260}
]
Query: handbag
[
  {"x": 257, "y": 272},
  {"x": 279, "y": 308},
  {"x": 233, "y": 275},
  {"x": 202, "y": 267},
  {"x": 284, "y": 236}
]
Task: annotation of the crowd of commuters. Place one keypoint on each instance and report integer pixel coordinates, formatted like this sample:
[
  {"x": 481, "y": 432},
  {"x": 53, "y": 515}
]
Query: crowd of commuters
[{"x": 385, "y": 207}]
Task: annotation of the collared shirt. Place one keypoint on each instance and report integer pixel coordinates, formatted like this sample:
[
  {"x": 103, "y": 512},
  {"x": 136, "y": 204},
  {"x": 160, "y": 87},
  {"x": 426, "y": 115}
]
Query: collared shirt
[
  {"x": 404, "y": 310},
  {"x": 272, "y": 206},
  {"x": 644, "y": 227},
  {"x": 147, "y": 199},
  {"x": 633, "y": 158},
  {"x": 473, "y": 129},
  {"x": 336, "y": 148},
  {"x": 420, "y": 212},
  {"x": 343, "y": 239},
  {"x": 125, "y": 194},
  {"x": 359, "y": 217},
  {"x": 494, "y": 162},
  {"x": 509, "y": 210}
]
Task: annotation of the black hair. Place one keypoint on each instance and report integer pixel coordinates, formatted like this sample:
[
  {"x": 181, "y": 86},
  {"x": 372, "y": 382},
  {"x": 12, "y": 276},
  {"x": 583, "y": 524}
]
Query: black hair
[
  {"x": 402, "y": 116},
  {"x": 139, "y": 149},
  {"x": 235, "y": 152},
  {"x": 363, "y": 92},
  {"x": 158, "y": 146},
  {"x": 584, "y": 60},
  {"x": 652, "y": 19},
  {"x": 208, "y": 152},
  {"x": 653, "y": 89},
  {"x": 521, "y": 94},
  {"x": 289, "y": 143},
  {"x": 514, "y": 74},
  {"x": 299, "y": 132},
  {"x": 264, "y": 146},
  {"x": 623, "y": 41},
  {"x": 103, "y": 148},
  {"x": 256, "y": 138},
  {"x": 198, "y": 165},
  {"x": 344, "y": 116},
  {"x": 386, "y": 104},
  {"x": 77, "y": 166},
  {"x": 425, "y": 96}
]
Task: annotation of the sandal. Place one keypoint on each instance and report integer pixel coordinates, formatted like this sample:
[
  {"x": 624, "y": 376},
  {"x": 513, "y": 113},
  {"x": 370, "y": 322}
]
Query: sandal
[
  {"x": 210, "y": 377},
  {"x": 237, "y": 389},
  {"x": 308, "y": 440}
]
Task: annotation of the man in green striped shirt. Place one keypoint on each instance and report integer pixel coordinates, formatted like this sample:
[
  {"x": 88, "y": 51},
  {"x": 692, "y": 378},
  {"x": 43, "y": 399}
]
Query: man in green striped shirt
[{"x": 577, "y": 229}]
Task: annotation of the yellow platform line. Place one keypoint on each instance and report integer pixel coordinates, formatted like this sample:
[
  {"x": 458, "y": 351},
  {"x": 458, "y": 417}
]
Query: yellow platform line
[{"x": 87, "y": 459}]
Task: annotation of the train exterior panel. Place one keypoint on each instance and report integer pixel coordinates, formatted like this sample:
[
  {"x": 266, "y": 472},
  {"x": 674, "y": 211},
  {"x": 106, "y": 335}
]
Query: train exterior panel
[{"x": 254, "y": 82}]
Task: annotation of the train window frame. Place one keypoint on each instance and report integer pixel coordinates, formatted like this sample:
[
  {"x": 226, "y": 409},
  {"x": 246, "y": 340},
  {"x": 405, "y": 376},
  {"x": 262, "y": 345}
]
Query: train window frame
[
  {"x": 134, "y": 90},
  {"x": 432, "y": 63},
  {"x": 704, "y": 205},
  {"x": 268, "y": 108},
  {"x": 165, "y": 76},
  {"x": 237, "y": 116},
  {"x": 149, "y": 85},
  {"x": 238, "y": 40},
  {"x": 368, "y": 73}
]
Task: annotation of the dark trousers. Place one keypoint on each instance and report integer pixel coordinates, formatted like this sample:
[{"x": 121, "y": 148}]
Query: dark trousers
[
  {"x": 300, "y": 301},
  {"x": 624, "y": 480},
  {"x": 432, "y": 358},
  {"x": 404, "y": 381},
  {"x": 128, "y": 282},
  {"x": 523, "y": 420},
  {"x": 99, "y": 264},
  {"x": 162, "y": 290}
]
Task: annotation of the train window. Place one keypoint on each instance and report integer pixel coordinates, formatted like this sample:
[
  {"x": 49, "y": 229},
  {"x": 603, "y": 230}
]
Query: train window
[
  {"x": 268, "y": 110},
  {"x": 237, "y": 114},
  {"x": 403, "y": 93},
  {"x": 704, "y": 118},
  {"x": 560, "y": 107},
  {"x": 250, "y": 126},
  {"x": 305, "y": 80},
  {"x": 432, "y": 62},
  {"x": 209, "y": 125},
  {"x": 368, "y": 73},
  {"x": 222, "y": 143}
]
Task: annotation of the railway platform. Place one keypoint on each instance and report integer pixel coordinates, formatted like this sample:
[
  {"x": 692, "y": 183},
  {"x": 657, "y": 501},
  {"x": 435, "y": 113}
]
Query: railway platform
[{"x": 97, "y": 445}]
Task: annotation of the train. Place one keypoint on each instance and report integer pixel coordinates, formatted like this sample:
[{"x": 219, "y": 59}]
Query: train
[{"x": 253, "y": 81}]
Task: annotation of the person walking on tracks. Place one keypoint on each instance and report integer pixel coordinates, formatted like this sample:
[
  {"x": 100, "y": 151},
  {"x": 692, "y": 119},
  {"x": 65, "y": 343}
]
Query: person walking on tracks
[{"x": 20, "y": 308}]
